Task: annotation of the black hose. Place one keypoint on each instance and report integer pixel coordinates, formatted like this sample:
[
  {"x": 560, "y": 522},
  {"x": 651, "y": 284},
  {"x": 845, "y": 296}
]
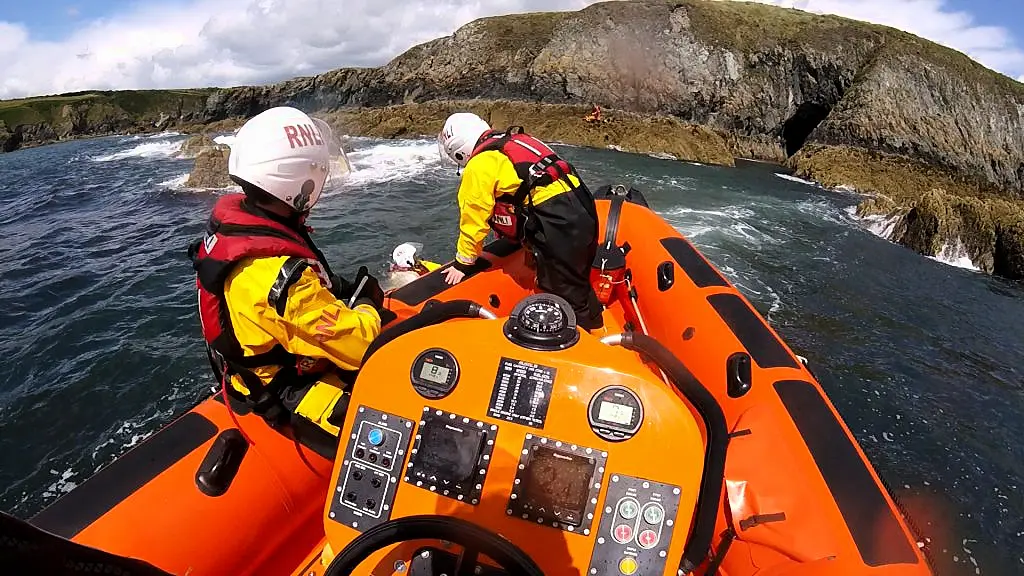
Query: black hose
[
  {"x": 713, "y": 478},
  {"x": 433, "y": 313}
]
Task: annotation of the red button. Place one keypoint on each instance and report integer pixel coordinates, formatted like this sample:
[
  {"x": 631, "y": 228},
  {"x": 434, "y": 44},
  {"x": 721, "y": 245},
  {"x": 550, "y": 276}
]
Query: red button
[
  {"x": 647, "y": 538},
  {"x": 623, "y": 533}
]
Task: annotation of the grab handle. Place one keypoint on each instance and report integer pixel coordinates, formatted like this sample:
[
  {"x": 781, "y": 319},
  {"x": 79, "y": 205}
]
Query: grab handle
[{"x": 713, "y": 476}]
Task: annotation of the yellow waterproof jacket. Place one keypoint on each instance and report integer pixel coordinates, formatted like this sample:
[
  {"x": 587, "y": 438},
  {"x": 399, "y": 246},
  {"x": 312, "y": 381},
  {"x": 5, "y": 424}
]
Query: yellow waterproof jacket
[
  {"x": 488, "y": 176},
  {"x": 314, "y": 325}
]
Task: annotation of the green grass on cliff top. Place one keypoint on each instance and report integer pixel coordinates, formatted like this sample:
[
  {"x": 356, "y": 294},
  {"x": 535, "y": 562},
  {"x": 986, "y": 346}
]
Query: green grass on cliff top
[
  {"x": 135, "y": 102},
  {"x": 748, "y": 27}
]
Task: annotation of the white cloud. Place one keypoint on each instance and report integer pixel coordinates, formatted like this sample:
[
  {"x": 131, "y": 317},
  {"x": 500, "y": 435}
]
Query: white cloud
[
  {"x": 993, "y": 46},
  {"x": 175, "y": 43},
  {"x": 232, "y": 42}
]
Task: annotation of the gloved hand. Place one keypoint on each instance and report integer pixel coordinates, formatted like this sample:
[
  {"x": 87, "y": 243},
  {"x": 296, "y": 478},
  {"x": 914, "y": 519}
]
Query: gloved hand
[
  {"x": 371, "y": 293},
  {"x": 341, "y": 289}
]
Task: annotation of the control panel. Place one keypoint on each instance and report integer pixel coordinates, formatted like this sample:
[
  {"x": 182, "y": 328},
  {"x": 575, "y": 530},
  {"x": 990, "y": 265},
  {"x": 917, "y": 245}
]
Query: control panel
[
  {"x": 373, "y": 459},
  {"x": 492, "y": 431},
  {"x": 615, "y": 413},
  {"x": 557, "y": 484},
  {"x": 452, "y": 455},
  {"x": 434, "y": 373},
  {"x": 636, "y": 527}
]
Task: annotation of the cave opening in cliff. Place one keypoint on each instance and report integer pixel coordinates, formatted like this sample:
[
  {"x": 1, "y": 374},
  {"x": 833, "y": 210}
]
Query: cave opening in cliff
[{"x": 800, "y": 125}]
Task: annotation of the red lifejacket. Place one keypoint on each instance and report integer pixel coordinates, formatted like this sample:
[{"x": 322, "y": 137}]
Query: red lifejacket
[
  {"x": 535, "y": 163},
  {"x": 235, "y": 232}
]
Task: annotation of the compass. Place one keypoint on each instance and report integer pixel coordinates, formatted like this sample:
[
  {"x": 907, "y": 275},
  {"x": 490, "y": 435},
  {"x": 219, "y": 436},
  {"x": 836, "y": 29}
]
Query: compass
[{"x": 542, "y": 322}]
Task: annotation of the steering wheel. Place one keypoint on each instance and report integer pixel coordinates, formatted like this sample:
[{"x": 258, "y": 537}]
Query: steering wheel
[{"x": 473, "y": 539}]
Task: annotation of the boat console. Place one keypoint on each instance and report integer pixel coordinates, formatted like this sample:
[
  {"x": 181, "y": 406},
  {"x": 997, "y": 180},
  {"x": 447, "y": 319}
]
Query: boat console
[{"x": 522, "y": 439}]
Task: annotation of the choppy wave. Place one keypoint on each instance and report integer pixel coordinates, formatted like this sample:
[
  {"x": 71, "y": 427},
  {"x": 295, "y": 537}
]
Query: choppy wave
[
  {"x": 400, "y": 160},
  {"x": 736, "y": 222},
  {"x": 156, "y": 149},
  {"x": 175, "y": 183},
  {"x": 953, "y": 253},
  {"x": 158, "y": 135},
  {"x": 792, "y": 178}
]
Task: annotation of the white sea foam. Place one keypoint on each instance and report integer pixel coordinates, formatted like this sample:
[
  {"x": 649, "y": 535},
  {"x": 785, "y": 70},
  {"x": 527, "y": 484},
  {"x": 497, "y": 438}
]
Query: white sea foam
[
  {"x": 153, "y": 149},
  {"x": 797, "y": 180},
  {"x": 175, "y": 183},
  {"x": 398, "y": 160}
]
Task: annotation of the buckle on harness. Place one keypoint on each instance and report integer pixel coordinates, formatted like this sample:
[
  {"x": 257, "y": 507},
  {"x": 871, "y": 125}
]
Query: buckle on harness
[
  {"x": 269, "y": 408},
  {"x": 539, "y": 168}
]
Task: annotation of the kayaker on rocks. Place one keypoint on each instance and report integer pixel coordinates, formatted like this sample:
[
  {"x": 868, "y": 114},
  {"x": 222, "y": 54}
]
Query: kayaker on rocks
[
  {"x": 277, "y": 321},
  {"x": 517, "y": 186}
]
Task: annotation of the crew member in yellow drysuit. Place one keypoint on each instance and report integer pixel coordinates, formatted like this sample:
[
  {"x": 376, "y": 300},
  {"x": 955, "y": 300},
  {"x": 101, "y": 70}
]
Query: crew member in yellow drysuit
[
  {"x": 515, "y": 185},
  {"x": 274, "y": 316}
]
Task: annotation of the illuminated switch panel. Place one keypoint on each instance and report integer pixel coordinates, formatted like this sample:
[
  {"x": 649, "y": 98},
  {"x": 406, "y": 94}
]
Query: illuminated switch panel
[{"x": 636, "y": 527}]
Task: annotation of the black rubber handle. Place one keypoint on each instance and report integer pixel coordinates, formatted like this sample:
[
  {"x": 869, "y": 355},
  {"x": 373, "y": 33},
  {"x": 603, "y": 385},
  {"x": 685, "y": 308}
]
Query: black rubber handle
[
  {"x": 432, "y": 313},
  {"x": 713, "y": 478}
]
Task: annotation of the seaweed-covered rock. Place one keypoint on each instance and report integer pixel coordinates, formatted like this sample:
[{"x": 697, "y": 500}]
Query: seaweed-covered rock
[
  {"x": 195, "y": 144},
  {"x": 627, "y": 131},
  {"x": 211, "y": 169},
  {"x": 927, "y": 225},
  {"x": 9, "y": 139},
  {"x": 990, "y": 230},
  {"x": 1009, "y": 250}
]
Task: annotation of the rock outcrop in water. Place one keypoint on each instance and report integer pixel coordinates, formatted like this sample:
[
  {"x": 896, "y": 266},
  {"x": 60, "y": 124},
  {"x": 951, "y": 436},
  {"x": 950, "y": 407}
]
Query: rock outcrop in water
[
  {"x": 988, "y": 231},
  {"x": 844, "y": 102},
  {"x": 210, "y": 169},
  {"x": 195, "y": 144}
]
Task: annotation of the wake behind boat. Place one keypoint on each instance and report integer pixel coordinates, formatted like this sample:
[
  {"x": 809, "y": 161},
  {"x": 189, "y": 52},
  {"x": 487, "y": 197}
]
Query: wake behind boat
[{"x": 487, "y": 434}]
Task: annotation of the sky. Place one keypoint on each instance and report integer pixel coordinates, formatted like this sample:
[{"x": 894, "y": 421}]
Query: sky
[{"x": 54, "y": 46}]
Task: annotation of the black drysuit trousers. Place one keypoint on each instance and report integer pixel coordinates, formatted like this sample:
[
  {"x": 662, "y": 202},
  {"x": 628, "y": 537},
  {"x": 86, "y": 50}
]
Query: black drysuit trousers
[{"x": 562, "y": 233}]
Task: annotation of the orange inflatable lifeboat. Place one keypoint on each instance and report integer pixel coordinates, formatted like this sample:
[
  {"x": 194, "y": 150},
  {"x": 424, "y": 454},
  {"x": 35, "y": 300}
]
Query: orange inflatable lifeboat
[{"x": 487, "y": 434}]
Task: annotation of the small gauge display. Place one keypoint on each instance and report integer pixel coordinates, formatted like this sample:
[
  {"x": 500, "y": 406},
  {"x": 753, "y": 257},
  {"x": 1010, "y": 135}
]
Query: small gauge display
[
  {"x": 615, "y": 413},
  {"x": 434, "y": 373}
]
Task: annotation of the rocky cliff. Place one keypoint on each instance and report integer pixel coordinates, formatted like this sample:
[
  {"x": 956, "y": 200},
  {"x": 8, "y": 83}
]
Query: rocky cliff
[
  {"x": 34, "y": 121},
  {"x": 769, "y": 80},
  {"x": 842, "y": 101}
]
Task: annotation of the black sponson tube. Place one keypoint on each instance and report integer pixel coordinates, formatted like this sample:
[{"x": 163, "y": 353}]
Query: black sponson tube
[
  {"x": 713, "y": 478},
  {"x": 433, "y": 312}
]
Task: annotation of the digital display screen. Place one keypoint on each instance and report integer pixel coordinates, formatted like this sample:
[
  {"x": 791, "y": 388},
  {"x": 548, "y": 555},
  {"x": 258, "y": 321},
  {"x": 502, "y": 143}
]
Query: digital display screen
[
  {"x": 558, "y": 480},
  {"x": 448, "y": 452},
  {"x": 615, "y": 413},
  {"x": 434, "y": 373}
]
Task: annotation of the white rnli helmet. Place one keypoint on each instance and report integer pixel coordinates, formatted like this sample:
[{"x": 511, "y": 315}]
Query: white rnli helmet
[
  {"x": 282, "y": 152},
  {"x": 404, "y": 255},
  {"x": 459, "y": 136}
]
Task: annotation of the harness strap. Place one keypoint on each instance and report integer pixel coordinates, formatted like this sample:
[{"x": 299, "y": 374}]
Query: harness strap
[
  {"x": 289, "y": 274},
  {"x": 611, "y": 256},
  {"x": 266, "y": 399},
  {"x": 536, "y": 171}
]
